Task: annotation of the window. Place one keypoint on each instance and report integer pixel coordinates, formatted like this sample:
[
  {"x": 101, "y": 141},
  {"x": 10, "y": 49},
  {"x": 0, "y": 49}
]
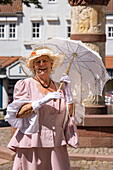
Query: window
[
  {"x": 2, "y": 31},
  {"x": 68, "y": 31},
  {"x": 8, "y": 30},
  {"x": 68, "y": 28},
  {"x": 109, "y": 31},
  {"x": 110, "y": 72},
  {"x": 12, "y": 30},
  {"x": 35, "y": 30},
  {"x": 52, "y": 1}
]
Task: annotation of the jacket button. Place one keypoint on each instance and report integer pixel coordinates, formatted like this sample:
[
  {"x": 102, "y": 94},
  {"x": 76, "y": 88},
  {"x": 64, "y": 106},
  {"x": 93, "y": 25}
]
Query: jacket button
[
  {"x": 53, "y": 127},
  {"x": 52, "y": 112}
]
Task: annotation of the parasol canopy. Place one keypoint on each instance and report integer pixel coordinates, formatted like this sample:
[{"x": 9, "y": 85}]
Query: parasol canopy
[{"x": 84, "y": 66}]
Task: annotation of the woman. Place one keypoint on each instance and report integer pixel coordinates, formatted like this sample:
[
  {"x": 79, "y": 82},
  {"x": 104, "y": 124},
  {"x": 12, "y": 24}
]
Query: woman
[{"x": 39, "y": 141}]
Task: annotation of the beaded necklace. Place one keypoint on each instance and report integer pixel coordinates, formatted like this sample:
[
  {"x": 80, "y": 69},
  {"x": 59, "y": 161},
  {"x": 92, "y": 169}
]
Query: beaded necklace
[{"x": 41, "y": 83}]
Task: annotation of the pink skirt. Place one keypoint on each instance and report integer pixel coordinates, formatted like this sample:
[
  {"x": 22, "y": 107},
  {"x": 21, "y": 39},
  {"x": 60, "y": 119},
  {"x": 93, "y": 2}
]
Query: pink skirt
[{"x": 42, "y": 159}]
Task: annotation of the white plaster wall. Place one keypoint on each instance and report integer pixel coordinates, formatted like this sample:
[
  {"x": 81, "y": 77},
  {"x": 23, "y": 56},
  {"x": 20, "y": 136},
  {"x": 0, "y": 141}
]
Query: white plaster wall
[
  {"x": 61, "y": 9},
  {"x": 12, "y": 47}
]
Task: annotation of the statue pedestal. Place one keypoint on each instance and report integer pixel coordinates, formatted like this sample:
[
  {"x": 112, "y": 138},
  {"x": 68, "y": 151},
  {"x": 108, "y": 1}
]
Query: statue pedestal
[
  {"x": 97, "y": 131},
  {"x": 95, "y": 109},
  {"x": 97, "y": 127},
  {"x": 88, "y": 25}
]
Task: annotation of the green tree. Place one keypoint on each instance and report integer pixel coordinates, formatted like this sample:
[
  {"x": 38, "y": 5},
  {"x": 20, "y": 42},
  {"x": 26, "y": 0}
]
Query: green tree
[{"x": 26, "y": 2}]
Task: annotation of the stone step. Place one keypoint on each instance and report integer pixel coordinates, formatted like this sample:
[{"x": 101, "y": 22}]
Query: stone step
[
  {"x": 98, "y": 120},
  {"x": 6, "y": 153},
  {"x": 90, "y": 157}
]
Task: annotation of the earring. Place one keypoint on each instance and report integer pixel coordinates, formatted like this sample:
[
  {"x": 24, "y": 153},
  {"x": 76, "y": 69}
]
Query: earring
[{"x": 34, "y": 71}]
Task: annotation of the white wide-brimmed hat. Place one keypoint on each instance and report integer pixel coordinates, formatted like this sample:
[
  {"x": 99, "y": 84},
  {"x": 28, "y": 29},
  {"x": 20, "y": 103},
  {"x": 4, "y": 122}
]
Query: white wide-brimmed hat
[{"x": 27, "y": 63}]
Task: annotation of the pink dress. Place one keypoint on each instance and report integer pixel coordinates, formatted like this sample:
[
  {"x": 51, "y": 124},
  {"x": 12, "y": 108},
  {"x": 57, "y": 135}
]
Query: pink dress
[{"x": 46, "y": 149}]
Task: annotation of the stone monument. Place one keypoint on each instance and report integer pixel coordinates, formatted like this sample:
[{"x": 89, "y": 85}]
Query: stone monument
[{"x": 88, "y": 18}]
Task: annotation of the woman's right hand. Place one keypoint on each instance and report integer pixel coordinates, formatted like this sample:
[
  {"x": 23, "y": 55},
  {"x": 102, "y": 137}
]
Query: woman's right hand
[{"x": 50, "y": 96}]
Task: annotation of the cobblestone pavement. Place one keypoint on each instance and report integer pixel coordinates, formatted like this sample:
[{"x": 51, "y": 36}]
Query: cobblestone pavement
[
  {"x": 5, "y": 135},
  {"x": 91, "y": 165},
  {"x": 75, "y": 164},
  {"x": 95, "y": 151},
  {"x": 6, "y": 166}
]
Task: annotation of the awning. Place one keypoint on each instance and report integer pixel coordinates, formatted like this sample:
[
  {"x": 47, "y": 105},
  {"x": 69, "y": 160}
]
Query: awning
[
  {"x": 10, "y": 67},
  {"x": 6, "y": 61}
]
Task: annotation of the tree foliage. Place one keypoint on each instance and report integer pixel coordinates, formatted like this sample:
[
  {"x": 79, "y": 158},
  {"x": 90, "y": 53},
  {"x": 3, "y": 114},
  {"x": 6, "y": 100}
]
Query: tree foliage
[
  {"x": 36, "y": 2},
  {"x": 26, "y": 2},
  {"x": 5, "y": 2}
]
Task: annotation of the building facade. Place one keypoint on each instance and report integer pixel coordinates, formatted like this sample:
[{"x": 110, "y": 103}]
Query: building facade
[
  {"x": 109, "y": 44},
  {"x": 21, "y": 27},
  {"x": 10, "y": 27}
]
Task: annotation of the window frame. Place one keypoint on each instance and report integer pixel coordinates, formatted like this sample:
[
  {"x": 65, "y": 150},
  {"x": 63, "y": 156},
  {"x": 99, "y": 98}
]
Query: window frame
[
  {"x": 35, "y": 38},
  {"x": 5, "y": 30},
  {"x": 68, "y": 25},
  {"x": 52, "y": 2},
  {"x": 107, "y": 31},
  {"x": 12, "y": 38}
]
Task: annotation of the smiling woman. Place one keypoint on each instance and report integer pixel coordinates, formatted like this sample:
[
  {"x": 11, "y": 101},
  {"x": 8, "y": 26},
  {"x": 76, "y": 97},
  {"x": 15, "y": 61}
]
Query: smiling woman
[
  {"x": 39, "y": 54},
  {"x": 35, "y": 112},
  {"x": 43, "y": 67},
  {"x": 42, "y": 62}
]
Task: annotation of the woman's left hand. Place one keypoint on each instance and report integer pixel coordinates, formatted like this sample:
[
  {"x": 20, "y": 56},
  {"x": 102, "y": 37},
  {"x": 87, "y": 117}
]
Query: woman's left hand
[
  {"x": 67, "y": 83},
  {"x": 66, "y": 79}
]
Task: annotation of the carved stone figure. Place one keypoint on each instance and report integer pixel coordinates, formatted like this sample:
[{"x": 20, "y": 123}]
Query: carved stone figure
[
  {"x": 84, "y": 21},
  {"x": 89, "y": 19}
]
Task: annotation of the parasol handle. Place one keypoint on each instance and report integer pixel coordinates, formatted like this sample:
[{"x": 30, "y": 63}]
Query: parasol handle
[{"x": 67, "y": 71}]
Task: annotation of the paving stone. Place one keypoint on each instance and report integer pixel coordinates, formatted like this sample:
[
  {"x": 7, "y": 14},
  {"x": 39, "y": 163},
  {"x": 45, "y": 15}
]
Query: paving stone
[{"x": 6, "y": 166}]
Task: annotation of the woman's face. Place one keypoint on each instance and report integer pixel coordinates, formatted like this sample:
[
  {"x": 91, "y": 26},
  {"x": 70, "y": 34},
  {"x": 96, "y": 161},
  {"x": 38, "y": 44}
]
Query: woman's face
[{"x": 43, "y": 65}]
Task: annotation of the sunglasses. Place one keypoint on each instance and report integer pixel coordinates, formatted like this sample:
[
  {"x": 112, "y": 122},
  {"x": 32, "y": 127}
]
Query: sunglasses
[{"x": 38, "y": 62}]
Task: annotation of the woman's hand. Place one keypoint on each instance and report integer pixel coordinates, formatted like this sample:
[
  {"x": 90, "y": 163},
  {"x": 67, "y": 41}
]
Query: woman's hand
[
  {"x": 67, "y": 83},
  {"x": 25, "y": 111},
  {"x": 50, "y": 96}
]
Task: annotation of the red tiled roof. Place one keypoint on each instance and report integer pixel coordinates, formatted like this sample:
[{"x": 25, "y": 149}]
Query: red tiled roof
[
  {"x": 110, "y": 7},
  {"x": 6, "y": 61},
  {"x": 15, "y": 7},
  {"x": 109, "y": 62}
]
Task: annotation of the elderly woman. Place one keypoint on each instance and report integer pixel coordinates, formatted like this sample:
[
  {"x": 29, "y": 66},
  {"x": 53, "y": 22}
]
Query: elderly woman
[{"x": 39, "y": 140}]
